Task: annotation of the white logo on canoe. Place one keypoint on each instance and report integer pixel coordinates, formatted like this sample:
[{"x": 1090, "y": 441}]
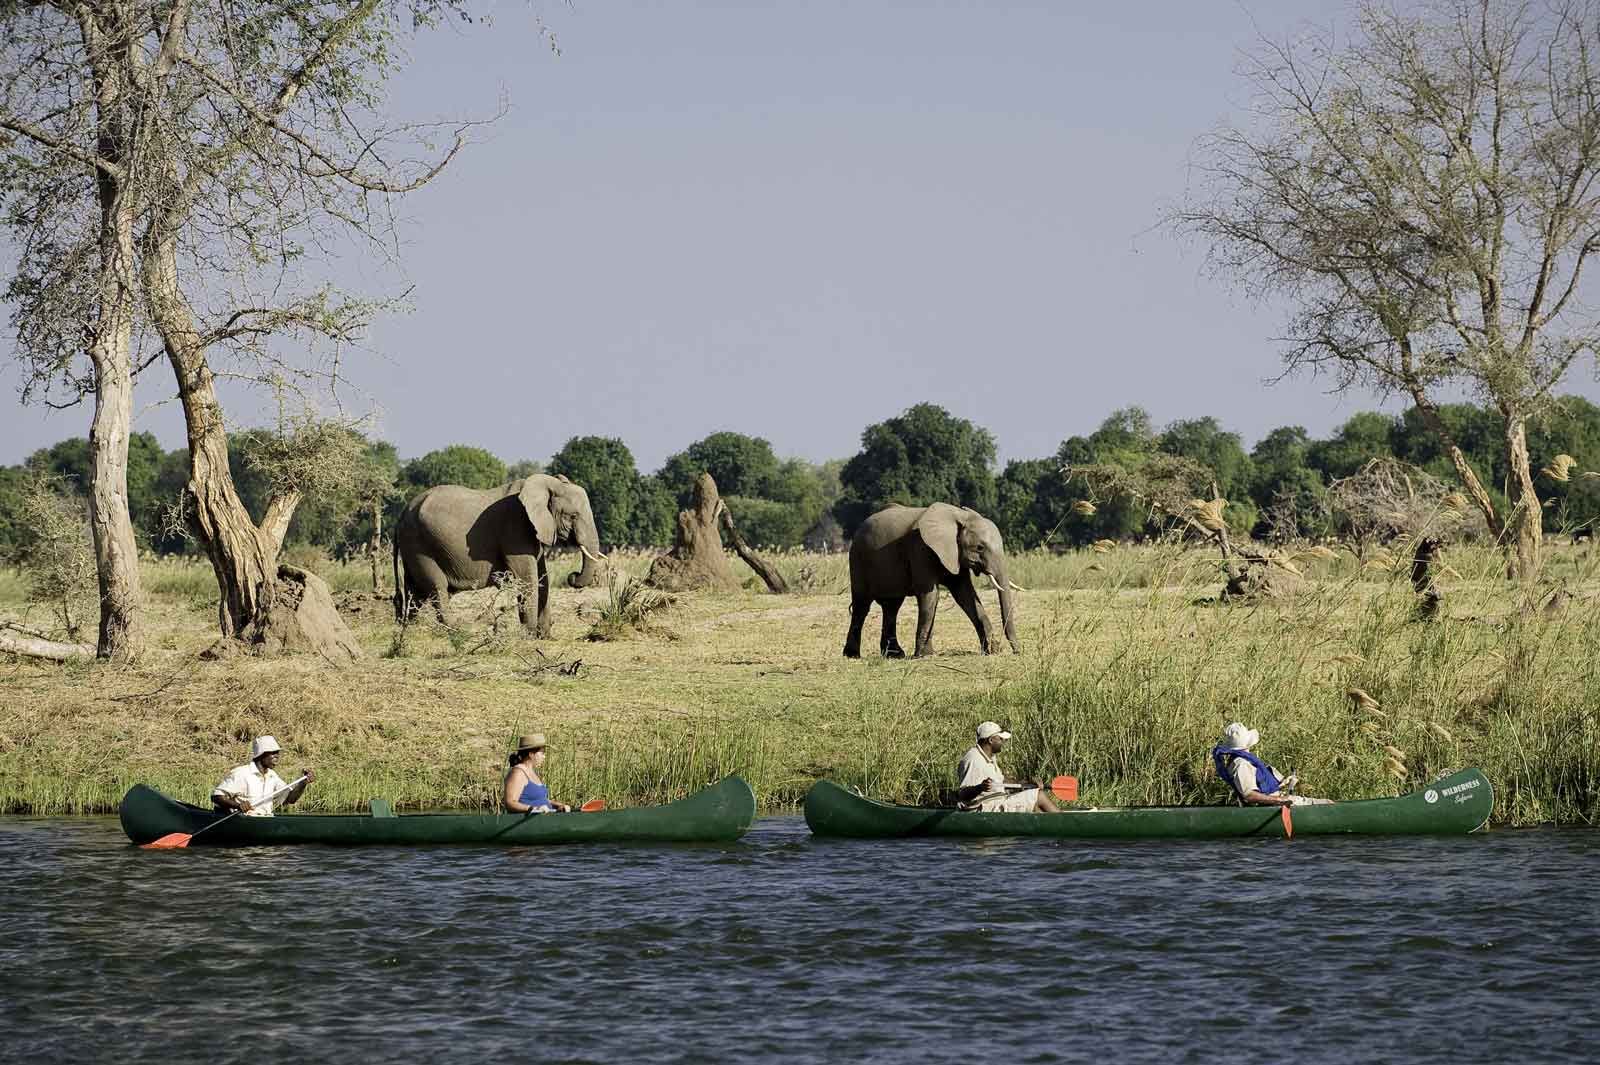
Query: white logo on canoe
[{"x": 1430, "y": 796}]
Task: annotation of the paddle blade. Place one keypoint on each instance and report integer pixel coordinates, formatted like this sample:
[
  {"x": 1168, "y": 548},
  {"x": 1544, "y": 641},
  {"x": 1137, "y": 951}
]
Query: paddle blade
[
  {"x": 592, "y": 806},
  {"x": 1288, "y": 823},
  {"x": 168, "y": 842},
  {"x": 1065, "y": 788}
]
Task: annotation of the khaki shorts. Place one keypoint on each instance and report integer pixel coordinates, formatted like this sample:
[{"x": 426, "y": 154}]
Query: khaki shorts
[{"x": 1017, "y": 802}]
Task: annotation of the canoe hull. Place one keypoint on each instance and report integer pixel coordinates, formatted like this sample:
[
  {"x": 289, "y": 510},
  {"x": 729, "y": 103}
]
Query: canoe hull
[
  {"x": 1457, "y": 804},
  {"x": 720, "y": 813}
]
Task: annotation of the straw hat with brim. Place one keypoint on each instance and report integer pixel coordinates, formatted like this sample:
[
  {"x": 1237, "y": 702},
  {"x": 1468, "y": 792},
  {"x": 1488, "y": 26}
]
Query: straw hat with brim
[
  {"x": 533, "y": 741},
  {"x": 1239, "y": 738}
]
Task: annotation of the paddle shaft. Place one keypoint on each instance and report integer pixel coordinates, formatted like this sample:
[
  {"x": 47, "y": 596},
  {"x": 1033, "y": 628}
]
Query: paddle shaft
[{"x": 270, "y": 798}]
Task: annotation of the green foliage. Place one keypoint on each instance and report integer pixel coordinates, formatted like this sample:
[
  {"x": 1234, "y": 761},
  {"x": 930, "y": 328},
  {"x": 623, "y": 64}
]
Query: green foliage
[
  {"x": 1366, "y": 436},
  {"x": 1221, "y": 452},
  {"x": 604, "y": 467},
  {"x": 53, "y": 548},
  {"x": 741, "y": 465},
  {"x": 628, "y": 609},
  {"x": 457, "y": 464},
  {"x": 926, "y": 455},
  {"x": 655, "y": 515}
]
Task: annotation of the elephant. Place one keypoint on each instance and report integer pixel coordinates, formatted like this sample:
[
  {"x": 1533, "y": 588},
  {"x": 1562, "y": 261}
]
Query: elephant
[
  {"x": 901, "y": 551},
  {"x": 453, "y": 539}
]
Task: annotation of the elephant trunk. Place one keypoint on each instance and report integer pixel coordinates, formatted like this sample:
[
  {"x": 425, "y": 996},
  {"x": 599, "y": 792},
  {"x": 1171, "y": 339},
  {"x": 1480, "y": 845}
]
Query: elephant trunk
[
  {"x": 1008, "y": 606},
  {"x": 589, "y": 544}
]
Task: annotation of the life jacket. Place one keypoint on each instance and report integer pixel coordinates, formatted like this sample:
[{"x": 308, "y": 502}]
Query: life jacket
[{"x": 1267, "y": 781}]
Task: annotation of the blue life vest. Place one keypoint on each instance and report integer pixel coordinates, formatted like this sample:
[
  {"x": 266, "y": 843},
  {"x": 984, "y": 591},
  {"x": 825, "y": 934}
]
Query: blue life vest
[
  {"x": 535, "y": 795},
  {"x": 1266, "y": 780}
]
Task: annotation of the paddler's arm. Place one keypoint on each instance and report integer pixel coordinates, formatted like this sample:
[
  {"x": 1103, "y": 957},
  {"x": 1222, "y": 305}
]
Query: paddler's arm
[
  {"x": 1258, "y": 798},
  {"x": 299, "y": 788},
  {"x": 983, "y": 787}
]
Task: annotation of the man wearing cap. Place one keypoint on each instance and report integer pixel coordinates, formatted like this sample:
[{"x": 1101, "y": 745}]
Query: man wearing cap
[
  {"x": 983, "y": 785},
  {"x": 1253, "y": 780},
  {"x": 253, "y": 788}
]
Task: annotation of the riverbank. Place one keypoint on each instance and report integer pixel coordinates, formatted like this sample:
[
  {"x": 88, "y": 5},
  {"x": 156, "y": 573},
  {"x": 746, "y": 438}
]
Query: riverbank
[{"x": 1125, "y": 680}]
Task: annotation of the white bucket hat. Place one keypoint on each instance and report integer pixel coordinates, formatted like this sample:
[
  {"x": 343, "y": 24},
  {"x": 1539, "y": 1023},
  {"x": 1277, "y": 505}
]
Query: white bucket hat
[
  {"x": 989, "y": 728},
  {"x": 263, "y": 745},
  {"x": 1239, "y": 738}
]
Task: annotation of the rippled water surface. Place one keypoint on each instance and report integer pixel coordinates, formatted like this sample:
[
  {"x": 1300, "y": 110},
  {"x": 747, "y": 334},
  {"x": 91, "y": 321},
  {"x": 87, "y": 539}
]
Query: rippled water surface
[{"x": 786, "y": 948}]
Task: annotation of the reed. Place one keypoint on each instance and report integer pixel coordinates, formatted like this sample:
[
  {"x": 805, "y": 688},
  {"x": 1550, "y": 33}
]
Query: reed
[{"x": 1129, "y": 671}]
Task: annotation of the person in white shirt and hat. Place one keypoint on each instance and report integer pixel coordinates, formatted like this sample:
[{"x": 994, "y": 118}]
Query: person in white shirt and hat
[
  {"x": 253, "y": 788},
  {"x": 1253, "y": 780},
  {"x": 983, "y": 784}
]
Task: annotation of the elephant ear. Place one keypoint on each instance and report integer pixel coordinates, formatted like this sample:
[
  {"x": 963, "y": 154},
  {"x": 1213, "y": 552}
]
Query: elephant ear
[
  {"x": 535, "y": 497},
  {"x": 938, "y": 527}
]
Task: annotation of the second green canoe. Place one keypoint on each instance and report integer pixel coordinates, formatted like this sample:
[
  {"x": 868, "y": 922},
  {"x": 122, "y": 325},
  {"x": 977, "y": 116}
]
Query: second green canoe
[
  {"x": 1456, "y": 804},
  {"x": 719, "y": 813}
]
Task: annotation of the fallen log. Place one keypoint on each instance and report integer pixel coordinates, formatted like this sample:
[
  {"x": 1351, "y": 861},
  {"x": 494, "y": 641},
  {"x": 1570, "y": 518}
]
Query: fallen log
[{"x": 14, "y": 642}]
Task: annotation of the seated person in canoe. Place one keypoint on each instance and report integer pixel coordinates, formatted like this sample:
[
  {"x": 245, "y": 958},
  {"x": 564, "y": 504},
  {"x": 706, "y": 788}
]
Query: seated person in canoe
[
  {"x": 1254, "y": 781},
  {"x": 983, "y": 785},
  {"x": 254, "y": 788},
  {"x": 525, "y": 790}
]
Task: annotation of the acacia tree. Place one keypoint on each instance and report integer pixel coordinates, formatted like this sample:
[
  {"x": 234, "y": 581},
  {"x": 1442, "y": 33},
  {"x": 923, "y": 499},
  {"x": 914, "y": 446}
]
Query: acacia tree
[
  {"x": 1426, "y": 194},
  {"x": 192, "y": 156}
]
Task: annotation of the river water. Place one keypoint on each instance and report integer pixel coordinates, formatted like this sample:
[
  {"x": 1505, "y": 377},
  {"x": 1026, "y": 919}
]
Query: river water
[{"x": 787, "y": 948}]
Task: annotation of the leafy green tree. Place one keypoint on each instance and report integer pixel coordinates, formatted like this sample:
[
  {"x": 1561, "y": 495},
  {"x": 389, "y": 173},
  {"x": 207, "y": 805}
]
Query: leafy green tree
[
  {"x": 604, "y": 466},
  {"x": 1024, "y": 508},
  {"x": 926, "y": 455},
  {"x": 741, "y": 465},
  {"x": 1289, "y": 495},
  {"x": 457, "y": 464},
  {"x": 1221, "y": 452},
  {"x": 655, "y": 515},
  {"x": 1365, "y": 436},
  {"x": 524, "y": 468}
]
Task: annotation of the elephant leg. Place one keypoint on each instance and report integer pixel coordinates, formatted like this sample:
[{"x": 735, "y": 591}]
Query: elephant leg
[
  {"x": 888, "y": 644},
  {"x": 532, "y": 595},
  {"x": 966, "y": 597},
  {"x": 541, "y": 625},
  {"x": 859, "y": 605},
  {"x": 426, "y": 583},
  {"x": 927, "y": 607}
]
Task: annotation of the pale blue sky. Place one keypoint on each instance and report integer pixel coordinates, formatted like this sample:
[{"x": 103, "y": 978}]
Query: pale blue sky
[{"x": 794, "y": 219}]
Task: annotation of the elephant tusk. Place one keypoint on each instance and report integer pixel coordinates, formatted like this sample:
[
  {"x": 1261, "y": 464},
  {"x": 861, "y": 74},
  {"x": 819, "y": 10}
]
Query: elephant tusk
[
  {"x": 1015, "y": 587},
  {"x": 592, "y": 556}
]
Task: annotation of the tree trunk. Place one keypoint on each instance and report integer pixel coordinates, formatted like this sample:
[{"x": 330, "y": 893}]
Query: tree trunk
[
  {"x": 15, "y": 643},
  {"x": 376, "y": 542},
  {"x": 1458, "y": 459},
  {"x": 697, "y": 560},
  {"x": 1525, "y": 523},
  {"x": 244, "y": 557},
  {"x": 774, "y": 580},
  {"x": 116, "y": 552}
]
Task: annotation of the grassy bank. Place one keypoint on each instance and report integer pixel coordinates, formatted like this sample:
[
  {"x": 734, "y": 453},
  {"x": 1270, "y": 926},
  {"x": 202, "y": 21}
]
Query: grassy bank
[{"x": 1125, "y": 680}]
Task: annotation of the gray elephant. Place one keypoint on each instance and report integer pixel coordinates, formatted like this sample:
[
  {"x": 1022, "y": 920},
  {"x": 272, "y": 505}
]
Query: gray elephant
[
  {"x": 901, "y": 551},
  {"x": 454, "y": 539}
]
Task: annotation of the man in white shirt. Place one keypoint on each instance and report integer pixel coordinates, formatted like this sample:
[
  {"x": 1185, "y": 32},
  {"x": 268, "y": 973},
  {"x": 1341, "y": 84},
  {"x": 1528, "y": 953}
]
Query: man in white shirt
[
  {"x": 983, "y": 784},
  {"x": 253, "y": 788}
]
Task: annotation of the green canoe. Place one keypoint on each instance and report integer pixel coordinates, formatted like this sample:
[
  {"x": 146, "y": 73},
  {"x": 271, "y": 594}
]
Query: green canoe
[
  {"x": 1456, "y": 804},
  {"x": 719, "y": 813}
]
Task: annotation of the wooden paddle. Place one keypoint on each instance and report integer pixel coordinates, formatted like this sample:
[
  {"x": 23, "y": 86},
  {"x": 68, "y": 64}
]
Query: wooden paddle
[{"x": 181, "y": 839}]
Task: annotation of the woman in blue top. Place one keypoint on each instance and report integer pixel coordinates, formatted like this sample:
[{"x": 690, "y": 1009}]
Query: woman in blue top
[{"x": 525, "y": 791}]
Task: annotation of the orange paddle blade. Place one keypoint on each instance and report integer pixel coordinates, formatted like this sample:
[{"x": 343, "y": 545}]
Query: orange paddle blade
[
  {"x": 593, "y": 805},
  {"x": 169, "y": 841},
  {"x": 1065, "y": 788},
  {"x": 1288, "y": 823}
]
